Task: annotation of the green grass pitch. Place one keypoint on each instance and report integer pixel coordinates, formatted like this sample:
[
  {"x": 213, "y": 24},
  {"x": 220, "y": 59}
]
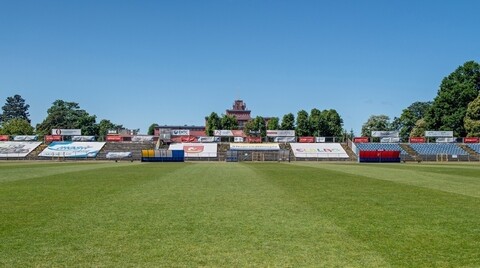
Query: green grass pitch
[{"x": 106, "y": 214}]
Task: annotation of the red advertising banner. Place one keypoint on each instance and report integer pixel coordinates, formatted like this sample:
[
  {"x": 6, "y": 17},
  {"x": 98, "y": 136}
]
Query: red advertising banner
[
  {"x": 188, "y": 139},
  {"x": 360, "y": 139},
  {"x": 306, "y": 139},
  {"x": 114, "y": 138},
  {"x": 4, "y": 138},
  {"x": 53, "y": 138},
  {"x": 471, "y": 140},
  {"x": 417, "y": 140},
  {"x": 254, "y": 139}
]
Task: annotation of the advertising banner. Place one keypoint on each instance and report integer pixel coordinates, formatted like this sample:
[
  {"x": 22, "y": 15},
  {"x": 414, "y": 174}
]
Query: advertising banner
[
  {"x": 386, "y": 134},
  {"x": 280, "y": 133},
  {"x": 446, "y": 140},
  {"x": 319, "y": 139},
  {"x": 254, "y": 147},
  {"x": 208, "y": 139},
  {"x": 67, "y": 132},
  {"x": 17, "y": 149},
  {"x": 471, "y": 140},
  {"x": 306, "y": 139},
  {"x": 238, "y": 139},
  {"x": 4, "y": 138},
  {"x": 318, "y": 150},
  {"x": 417, "y": 140},
  {"x": 390, "y": 140},
  {"x": 360, "y": 139},
  {"x": 25, "y": 138},
  {"x": 72, "y": 149},
  {"x": 143, "y": 138},
  {"x": 223, "y": 133},
  {"x": 114, "y": 138},
  {"x": 118, "y": 155},
  {"x": 180, "y": 132},
  {"x": 439, "y": 134},
  {"x": 83, "y": 138},
  {"x": 254, "y": 139},
  {"x": 50, "y": 138},
  {"x": 196, "y": 149},
  {"x": 284, "y": 139}
]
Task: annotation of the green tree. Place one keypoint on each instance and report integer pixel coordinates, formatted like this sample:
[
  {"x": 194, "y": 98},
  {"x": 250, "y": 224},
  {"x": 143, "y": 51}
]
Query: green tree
[
  {"x": 303, "y": 126},
  {"x": 332, "y": 123},
  {"x": 151, "y": 128},
  {"x": 212, "y": 123},
  {"x": 409, "y": 117},
  {"x": 315, "y": 121},
  {"x": 257, "y": 124},
  {"x": 450, "y": 105},
  {"x": 375, "y": 123},
  {"x": 15, "y": 107},
  {"x": 17, "y": 126},
  {"x": 288, "y": 122},
  {"x": 228, "y": 122},
  {"x": 67, "y": 115},
  {"x": 419, "y": 128},
  {"x": 472, "y": 118},
  {"x": 273, "y": 123}
]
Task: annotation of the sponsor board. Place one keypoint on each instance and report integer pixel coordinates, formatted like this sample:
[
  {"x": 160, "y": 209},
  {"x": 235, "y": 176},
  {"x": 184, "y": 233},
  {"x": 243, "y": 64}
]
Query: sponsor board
[
  {"x": 16, "y": 148},
  {"x": 254, "y": 147},
  {"x": 416, "y": 140},
  {"x": 180, "y": 132},
  {"x": 319, "y": 139},
  {"x": 280, "y": 133},
  {"x": 118, "y": 155},
  {"x": 72, "y": 149},
  {"x": 360, "y": 139},
  {"x": 446, "y": 140},
  {"x": 50, "y": 138},
  {"x": 385, "y": 134},
  {"x": 25, "y": 138},
  {"x": 114, "y": 138},
  {"x": 223, "y": 133},
  {"x": 67, "y": 132},
  {"x": 284, "y": 139},
  {"x": 238, "y": 139},
  {"x": 439, "y": 134},
  {"x": 208, "y": 139},
  {"x": 390, "y": 140},
  {"x": 318, "y": 150},
  {"x": 83, "y": 138},
  {"x": 145, "y": 138},
  {"x": 471, "y": 140},
  {"x": 306, "y": 139},
  {"x": 196, "y": 149}
]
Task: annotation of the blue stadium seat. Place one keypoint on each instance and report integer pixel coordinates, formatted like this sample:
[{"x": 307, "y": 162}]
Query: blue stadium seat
[
  {"x": 437, "y": 148},
  {"x": 381, "y": 146}
]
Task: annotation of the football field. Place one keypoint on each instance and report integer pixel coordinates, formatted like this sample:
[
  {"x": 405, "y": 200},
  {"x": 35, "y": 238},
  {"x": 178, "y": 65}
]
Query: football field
[{"x": 316, "y": 214}]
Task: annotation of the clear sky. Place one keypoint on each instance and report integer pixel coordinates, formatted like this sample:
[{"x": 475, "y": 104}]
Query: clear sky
[{"x": 174, "y": 62}]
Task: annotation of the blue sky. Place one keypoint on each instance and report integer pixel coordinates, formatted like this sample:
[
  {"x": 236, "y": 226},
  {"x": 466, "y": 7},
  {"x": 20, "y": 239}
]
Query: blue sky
[{"x": 174, "y": 62}]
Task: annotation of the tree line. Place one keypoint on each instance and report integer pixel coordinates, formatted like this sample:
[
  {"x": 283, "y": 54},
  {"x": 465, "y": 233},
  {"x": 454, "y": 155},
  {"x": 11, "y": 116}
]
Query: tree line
[
  {"x": 326, "y": 123},
  {"x": 455, "y": 108}
]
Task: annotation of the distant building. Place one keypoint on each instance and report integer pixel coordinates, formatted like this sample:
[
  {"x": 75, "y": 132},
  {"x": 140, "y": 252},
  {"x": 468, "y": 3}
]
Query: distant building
[{"x": 239, "y": 110}]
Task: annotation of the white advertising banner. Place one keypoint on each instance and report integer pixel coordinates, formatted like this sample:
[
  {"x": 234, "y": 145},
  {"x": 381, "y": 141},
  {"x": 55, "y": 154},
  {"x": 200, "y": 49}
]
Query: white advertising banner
[
  {"x": 446, "y": 140},
  {"x": 66, "y": 132},
  {"x": 238, "y": 139},
  {"x": 318, "y": 150},
  {"x": 118, "y": 155},
  {"x": 386, "y": 134},
  {"x": 144, "y": 138},
  {"x": 390, "y": 140},
  {"x": 83, "y": 138},
  {"x": 280, "y": 133},
  {"x": 196, "y": 149},
  {"x": 439, "y": 134},
  {"x": 223, "y": 133},
  {"x": 72, "y": 149},
  {"x": 25, "y": 138},
  {"x": 254, "y": 147},
  {"x": 284, "y": 139},
  {"x": 17, "y": 149},
  {"x": 180, "y": 132},
  {"x": 319, "y": 139},
  {"x": 208, "y": 139}
]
